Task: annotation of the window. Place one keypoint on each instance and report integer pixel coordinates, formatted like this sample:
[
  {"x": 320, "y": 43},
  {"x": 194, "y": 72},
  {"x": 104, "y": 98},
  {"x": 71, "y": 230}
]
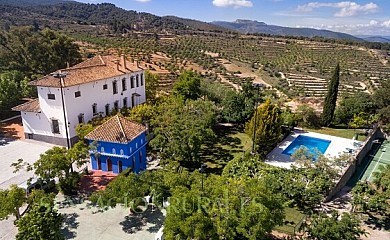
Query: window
[
  {"x": 122, "y": 152},
  {"x": 81, "y": 118},
  {"x": 116, "y": 105},
  {"x": 142, "y": 141},
  {"x": 107, "y": 108},
  {"x": 136, "y": 145},
  {"x": 114, "y": 87},
  {"x": 102, "y": 149},
  {"x": 113, "y": 151},
  {"x": 142, "y": 79},
  {"x": 51, "y": 96},
  {"x": 137, "y": 80},
  {"x": 125, "y": 102},
  {"x": 132, "y": 82},
  {"x": 77, "y": 94},
  {"x": 124, "y": 87},
  {"x": 105, "y": 86},
  {"x": 131, "y": 149},
  {"x": 55, "y": 125},
  {"x": 94, "y": 109}
]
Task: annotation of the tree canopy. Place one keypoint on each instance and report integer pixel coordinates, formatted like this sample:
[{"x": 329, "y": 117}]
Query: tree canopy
[
  {"x": 181, "y": 128},
  {"x": 36, "y": 53},
  {"x": 10, "y": 201},
  {"x": 187, "y": 86},
  {"x": 335, "y": 227},
  {"x": 267, "y": 123}
]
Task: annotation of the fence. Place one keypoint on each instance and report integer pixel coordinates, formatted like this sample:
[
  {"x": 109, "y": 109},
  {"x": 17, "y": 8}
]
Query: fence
[{"x": 356, "y": 160}]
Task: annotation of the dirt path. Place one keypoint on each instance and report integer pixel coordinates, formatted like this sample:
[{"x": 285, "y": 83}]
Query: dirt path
[
  {"x": 224, "y": 80},
  {"x": 245, "y": 72}
]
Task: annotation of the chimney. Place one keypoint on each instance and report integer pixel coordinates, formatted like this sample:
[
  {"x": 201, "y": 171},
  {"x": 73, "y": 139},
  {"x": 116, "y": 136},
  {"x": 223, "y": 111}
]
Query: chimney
[
  {"x": 116, "y": 61},
  {"x": 123, "y": 61}
]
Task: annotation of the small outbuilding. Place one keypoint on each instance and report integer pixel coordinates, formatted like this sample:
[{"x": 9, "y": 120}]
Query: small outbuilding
[{"x": 118, "y": 144}]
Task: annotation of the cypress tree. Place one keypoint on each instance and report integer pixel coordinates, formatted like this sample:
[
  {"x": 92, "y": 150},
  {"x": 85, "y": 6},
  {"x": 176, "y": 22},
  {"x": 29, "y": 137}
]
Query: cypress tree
[{"x": 331, "y": 98}]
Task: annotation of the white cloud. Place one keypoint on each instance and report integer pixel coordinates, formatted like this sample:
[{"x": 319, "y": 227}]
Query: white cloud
[
  {"x": 347, "y": 9},
  {"x": 143, "y": 1},
  {"x": 232, "y": 3},
  {"x": 386, "y": 24},
  {"x": 372, "y": 27}
]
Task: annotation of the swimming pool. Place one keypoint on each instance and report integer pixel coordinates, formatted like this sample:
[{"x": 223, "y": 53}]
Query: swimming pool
[{"x": 312, "y": 143}]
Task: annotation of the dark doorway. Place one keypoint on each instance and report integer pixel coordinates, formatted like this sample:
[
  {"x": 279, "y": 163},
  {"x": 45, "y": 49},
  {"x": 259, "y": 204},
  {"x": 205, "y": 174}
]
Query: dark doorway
[
  {"x": 99, "y": 164},
  {"x": 30, "y": 136},
  {"x": 120, "y": 168},
  {"x": 109, "y": 165}
]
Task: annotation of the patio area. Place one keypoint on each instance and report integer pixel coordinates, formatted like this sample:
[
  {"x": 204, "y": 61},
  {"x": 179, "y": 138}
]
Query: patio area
[
  {"x": 94, "y": 181},
  {"x": 337, "y": 147}
]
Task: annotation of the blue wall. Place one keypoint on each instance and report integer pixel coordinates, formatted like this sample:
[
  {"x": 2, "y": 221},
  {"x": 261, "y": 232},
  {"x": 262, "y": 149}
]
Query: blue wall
[{"x": 134, "y": 151}]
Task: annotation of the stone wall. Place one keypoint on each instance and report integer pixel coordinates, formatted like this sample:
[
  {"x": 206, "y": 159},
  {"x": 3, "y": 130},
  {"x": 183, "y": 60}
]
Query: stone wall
[{"x": 356, "y": 160}]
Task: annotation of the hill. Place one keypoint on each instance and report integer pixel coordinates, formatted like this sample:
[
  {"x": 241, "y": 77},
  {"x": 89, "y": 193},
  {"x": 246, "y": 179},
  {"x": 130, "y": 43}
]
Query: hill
[
  {"x": 248, "y": 26},
  {"x": 60, "y": 14},
  {"x": 32, "y": 2},
  {"x": 381, "y": 39}
]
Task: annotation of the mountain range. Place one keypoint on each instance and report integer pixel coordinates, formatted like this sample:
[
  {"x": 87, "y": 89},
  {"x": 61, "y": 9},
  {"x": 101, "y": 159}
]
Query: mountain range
[
  {"x": 64, "y": 13},
  {"x": 380, "y": 39},
  {"x": 249, "y": 26}
]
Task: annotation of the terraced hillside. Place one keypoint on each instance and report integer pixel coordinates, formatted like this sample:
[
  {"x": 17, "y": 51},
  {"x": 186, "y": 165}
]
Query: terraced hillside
[{"x": 296, "y": 67}]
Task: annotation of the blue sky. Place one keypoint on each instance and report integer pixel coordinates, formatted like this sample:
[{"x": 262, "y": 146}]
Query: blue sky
[{"x": 354, "y": 17}]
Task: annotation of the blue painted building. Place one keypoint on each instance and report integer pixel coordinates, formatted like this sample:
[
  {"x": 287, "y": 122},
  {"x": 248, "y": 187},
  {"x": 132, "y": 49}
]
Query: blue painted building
[{"x": 118, "y": 144}]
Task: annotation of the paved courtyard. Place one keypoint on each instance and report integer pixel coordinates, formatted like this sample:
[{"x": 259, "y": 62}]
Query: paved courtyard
[
  {"x": 13, "y": 150},
  {"x": 337, "y": 147},
  {"x": 83, "y": 221},
  {"x": 28, "y": 150}
]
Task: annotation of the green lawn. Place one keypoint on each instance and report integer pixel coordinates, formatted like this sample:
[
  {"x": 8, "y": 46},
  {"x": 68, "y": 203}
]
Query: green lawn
[
  {"x": 339, "y": 132},
  {"x": 229, "y": 142},
  {"x": 293, "y": 217}
]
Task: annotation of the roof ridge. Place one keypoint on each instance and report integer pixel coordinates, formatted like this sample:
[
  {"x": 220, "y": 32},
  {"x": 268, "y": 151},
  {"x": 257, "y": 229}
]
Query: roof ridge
[
  {"x": 103, "y": 63},
  {"x": 121, "y": 127}
]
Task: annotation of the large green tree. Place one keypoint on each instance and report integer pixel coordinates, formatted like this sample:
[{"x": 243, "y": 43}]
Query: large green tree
[
  {"x": 331, "y": 98},
  {"x": 267, "y": 123},
  {"x": 224, "y": 209},
  {"x": 13, "y": 86},
  {"x": 10, "y": 201},
  {"x": 335, "y": 227},
  {"x": 41, "y": 222},
  {"x": 187, "y": 86},
  {"x": 151, "y": 85},
  {"x": 36, "y": 53},
  {"x": 181, "y": 128},
  {"x": 351, "y": 105}
]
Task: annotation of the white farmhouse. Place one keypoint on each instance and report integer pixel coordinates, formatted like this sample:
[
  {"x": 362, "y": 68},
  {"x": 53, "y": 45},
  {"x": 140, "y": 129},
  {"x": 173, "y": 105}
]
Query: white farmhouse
[{"x": 75, "y": 95}]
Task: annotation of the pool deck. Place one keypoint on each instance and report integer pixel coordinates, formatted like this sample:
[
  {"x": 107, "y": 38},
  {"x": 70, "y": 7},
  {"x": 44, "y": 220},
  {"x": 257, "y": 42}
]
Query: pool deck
[{"x": 337, "y": 147}]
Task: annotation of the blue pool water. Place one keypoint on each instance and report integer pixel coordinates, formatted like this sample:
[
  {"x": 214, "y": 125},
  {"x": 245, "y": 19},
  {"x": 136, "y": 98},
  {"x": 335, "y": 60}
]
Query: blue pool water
[{"x": 313, "y": 144}]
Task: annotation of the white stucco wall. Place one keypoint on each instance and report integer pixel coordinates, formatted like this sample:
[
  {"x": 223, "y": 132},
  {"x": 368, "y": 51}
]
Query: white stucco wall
[
  {"x": 50, "y": 109},
  {"x": 91, "y": 93},
  {"x": 38, "y": 123}
]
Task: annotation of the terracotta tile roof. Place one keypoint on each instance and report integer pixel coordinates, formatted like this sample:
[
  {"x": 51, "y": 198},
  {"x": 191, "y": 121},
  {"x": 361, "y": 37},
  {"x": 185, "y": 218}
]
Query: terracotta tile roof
[
  {"x": 30, "y": 106},
  {"x": 93, "y": 69},
  {"x": 117, "y": 129}
]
